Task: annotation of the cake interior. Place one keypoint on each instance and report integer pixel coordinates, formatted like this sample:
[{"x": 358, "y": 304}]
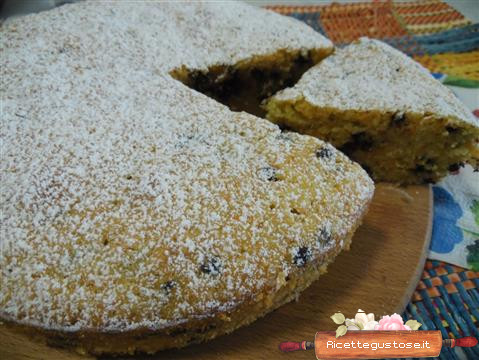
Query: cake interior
[
  {"x": 245, "y": 85},
  {"x": 406, "y": 148}
]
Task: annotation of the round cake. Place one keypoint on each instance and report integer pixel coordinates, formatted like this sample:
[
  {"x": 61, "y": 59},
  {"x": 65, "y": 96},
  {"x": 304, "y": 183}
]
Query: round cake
[{"x": 139, "y": 214}]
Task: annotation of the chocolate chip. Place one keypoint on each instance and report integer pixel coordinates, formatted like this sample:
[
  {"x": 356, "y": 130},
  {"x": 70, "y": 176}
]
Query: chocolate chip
[
  {"x": 284, "y": 128},
  {"x": 201, "y": 81},
  {"x": 302, "y": 60},
  {"x": 212, "y": 266},
  {"x": 419, "y": 168},
  {"x": 398, "y": 119},
  {"x": 302, "y": 256},
  {"x": 168, "y": 286},
  {"x": 104, "y": 237},
  {"x": 364, "y": 141},
  {"x": 268, "y": 173},
  {"x": 295, "y": 212},
  {"x": 324, "y": 153},
  {"x": 455, "y": 167},
  {"x": 452, "y": 129},
  {"x": 359, "y": 141},
  {"x": 430, "y": 162}
]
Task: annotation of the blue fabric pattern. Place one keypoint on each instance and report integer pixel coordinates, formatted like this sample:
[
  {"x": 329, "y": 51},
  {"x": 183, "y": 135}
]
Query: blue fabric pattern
[{"x": 445, "y": 233}]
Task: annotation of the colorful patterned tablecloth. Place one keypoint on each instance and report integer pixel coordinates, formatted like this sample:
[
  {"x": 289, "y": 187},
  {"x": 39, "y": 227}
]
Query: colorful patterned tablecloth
[{"x": 447, "y": 43}]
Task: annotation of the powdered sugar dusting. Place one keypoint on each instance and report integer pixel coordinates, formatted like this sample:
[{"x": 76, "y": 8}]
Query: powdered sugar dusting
[
  {"x": 370, "y": 75},
  {"x": 129, "y": 200}
]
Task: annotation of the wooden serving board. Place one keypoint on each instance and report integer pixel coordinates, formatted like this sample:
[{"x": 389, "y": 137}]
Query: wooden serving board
[{"x": 378, "y": 274}]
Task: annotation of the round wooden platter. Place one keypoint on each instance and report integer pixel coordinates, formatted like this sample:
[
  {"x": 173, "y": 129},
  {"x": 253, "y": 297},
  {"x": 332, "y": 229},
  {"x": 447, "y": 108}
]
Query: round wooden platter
[{"x": 378, "y": 274}]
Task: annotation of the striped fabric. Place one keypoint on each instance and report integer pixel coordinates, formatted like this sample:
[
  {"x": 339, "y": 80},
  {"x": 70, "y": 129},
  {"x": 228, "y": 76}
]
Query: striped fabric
[
  {"x": 423, "y": 17},
  {"x": 433, "y": 32},
  {"x": 459, "y": 65}
]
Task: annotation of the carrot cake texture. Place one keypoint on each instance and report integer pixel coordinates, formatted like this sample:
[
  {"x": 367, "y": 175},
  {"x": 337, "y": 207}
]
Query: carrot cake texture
[
  {"x": 138, "y": 214},
  {"x": 384, "y": 110}
]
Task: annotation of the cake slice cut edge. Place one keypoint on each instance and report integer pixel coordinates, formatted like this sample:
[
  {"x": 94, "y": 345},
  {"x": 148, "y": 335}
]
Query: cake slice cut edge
[{"x": 384, "y": 110}]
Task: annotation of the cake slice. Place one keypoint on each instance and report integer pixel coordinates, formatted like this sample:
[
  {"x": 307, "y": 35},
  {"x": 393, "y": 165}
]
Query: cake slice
[{"x": 384, "y": 110}]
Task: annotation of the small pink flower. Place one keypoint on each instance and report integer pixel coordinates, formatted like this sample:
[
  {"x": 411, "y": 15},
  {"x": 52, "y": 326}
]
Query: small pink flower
[{"x": 393, "y": 322}]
